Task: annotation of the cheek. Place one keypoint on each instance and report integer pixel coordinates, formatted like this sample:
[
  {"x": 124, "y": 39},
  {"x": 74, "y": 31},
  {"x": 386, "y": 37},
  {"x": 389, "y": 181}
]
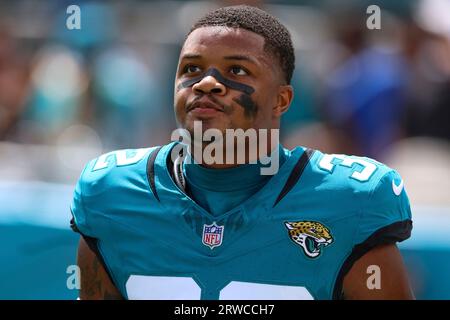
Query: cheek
[
  {"x": 264, "y": 113},
  {"x": 268, "y": 101},
  {"x": 179, "y": 103}
]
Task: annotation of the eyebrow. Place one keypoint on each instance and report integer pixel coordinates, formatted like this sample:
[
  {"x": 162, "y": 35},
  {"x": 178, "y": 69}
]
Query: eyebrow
[
  {"x": 232, "y": 57},
  {"x": 191, "y": 56},
  {"x": 241, "y": 58}
]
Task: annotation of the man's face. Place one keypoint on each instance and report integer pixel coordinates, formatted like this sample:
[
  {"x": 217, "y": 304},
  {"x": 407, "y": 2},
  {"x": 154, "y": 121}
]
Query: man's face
[{"x": 229, "y": 55}]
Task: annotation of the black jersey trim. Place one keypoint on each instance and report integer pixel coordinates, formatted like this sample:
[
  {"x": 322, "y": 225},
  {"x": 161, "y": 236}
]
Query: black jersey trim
[
  {"x": 151, "y": 172},
  {"x": 395, "y": 232},
  {"x": 295, "y": 174}
]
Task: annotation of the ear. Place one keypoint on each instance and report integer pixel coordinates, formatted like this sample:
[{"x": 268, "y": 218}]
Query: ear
[{"x": 284, "y": 99}]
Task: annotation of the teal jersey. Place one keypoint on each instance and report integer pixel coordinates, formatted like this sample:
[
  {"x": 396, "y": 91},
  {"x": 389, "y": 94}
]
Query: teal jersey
[{"x": 295, "y": 238}]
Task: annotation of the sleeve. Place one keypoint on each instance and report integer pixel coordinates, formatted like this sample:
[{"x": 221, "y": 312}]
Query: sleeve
[
  {"x": 79, "y": 221},
  {"x": 386, "y": 214},
  {"x": 385, "y": 217}
]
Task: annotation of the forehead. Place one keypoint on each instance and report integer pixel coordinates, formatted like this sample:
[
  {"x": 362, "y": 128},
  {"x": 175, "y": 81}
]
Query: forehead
[{"x": 226, "y": 41}]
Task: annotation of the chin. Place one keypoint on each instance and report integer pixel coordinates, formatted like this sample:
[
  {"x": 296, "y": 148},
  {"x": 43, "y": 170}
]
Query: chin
[{"x": 206, "y": 124}]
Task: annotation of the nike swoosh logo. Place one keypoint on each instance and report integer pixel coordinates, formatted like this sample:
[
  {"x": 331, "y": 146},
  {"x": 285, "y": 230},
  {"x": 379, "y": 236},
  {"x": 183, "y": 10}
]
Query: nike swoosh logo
[{"x": 397, "y": 188}]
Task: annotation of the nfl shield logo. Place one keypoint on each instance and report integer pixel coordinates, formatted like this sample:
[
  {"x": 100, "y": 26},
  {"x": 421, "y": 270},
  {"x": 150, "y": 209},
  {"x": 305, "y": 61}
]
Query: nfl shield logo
[{"x": 212, "y": 235}]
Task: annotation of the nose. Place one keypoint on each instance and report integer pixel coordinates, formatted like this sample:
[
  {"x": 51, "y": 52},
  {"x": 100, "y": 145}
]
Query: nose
[{"x": 209, "y": 84}]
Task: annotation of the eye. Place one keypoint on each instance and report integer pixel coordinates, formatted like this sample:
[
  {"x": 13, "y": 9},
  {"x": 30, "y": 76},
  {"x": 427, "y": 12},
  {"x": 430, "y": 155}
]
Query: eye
[
  {"x": 190, "y": 68},
  {"x": 238, "y": 71}
]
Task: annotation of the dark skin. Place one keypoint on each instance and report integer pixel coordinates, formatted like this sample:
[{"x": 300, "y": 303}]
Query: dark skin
[
  {"x": 95, "y": 282},
  {"x": 242, "y": 58},
  {"x": 240, "y": 55},
  {"x": 394, "y": 277},
  {"x": 243, "y": 61}
]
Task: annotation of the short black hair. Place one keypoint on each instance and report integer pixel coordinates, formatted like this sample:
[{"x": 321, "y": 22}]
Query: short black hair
[{"x": 277, "y": 38}]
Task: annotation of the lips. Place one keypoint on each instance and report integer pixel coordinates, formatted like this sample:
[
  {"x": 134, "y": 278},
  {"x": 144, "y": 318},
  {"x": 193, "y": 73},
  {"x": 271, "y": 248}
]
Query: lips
[{"x": 205, "y": 104}]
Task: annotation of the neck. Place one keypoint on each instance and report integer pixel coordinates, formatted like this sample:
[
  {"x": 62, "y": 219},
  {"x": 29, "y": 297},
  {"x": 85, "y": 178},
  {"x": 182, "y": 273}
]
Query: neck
[
  {"x": 218, "y": 155},
  {"x": 223, "y": 178}
]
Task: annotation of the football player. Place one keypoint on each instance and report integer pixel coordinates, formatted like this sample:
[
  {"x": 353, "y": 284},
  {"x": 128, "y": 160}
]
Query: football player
[{"x": 157, "y": 227}]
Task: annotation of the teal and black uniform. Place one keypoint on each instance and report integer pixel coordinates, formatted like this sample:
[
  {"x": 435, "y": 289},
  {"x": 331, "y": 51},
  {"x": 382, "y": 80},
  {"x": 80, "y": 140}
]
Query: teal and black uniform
[{"x": 293, "y": 235}]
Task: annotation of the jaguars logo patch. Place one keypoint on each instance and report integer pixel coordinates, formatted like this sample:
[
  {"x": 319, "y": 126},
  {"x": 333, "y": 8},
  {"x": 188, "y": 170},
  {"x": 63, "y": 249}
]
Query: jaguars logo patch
[{"x": 311, "y": 236}]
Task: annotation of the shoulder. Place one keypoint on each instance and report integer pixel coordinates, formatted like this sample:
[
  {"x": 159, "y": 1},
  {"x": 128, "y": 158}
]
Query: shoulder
[
  {"x": 360, "y": 175},
  {"x": 113, "y": 165},
  {"x": 376, "y": 191},
  {"x": 361, "y": 185},
  {"x": 103, "y": 181}
]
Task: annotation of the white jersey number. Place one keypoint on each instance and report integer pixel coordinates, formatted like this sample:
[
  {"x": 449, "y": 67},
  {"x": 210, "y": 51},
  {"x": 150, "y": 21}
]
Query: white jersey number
[
  {"x": 185, "y": 288},
  {"x": 348, "y": 161},
  {"x": 120, "y": 157}
]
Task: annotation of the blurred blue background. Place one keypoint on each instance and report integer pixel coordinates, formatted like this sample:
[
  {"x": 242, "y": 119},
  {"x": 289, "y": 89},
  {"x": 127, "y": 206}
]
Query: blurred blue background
[{"x": 67, "y": 96}]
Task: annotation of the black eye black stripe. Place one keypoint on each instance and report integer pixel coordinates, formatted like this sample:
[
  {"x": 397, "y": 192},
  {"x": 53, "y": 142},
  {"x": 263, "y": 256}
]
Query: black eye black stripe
[{"x": 218, "y": 76}]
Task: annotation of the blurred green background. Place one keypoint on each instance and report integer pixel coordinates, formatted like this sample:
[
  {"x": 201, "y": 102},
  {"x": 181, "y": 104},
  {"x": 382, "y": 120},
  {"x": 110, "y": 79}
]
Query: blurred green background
[{"x": 67, "y": 96}]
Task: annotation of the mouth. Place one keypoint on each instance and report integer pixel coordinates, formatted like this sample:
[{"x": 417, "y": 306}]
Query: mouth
[
  {"x": 312, "y": 245},
  {"x": 204, "y": 107}
]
